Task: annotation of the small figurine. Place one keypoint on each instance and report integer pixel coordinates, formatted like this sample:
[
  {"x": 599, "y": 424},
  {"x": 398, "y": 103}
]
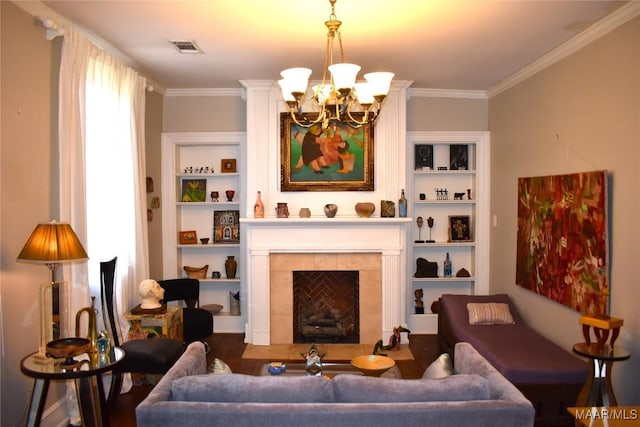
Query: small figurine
[
  {"x": 419, "y": 303},
  {"x": 314, "y": 360},
  {"x": 394, "y": 341}
]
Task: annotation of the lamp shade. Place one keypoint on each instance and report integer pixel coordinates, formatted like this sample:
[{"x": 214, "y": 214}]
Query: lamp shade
[
  {"x": 344, "y": 75},
  {"x": 295, "y": 79},
  {"x": 53, "y": 242},
  {"x": 380, "y": 82}
]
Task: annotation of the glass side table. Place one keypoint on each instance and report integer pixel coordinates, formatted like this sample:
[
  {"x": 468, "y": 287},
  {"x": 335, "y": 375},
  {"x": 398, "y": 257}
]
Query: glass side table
[
  {"x": 597, "y": 391},
  {"x": 88, "y": 379}
]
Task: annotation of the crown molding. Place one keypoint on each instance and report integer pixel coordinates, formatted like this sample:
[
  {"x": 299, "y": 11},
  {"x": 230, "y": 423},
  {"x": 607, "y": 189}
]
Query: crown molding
[
  {"x": 204, "y": 92},
  {"x": 447, "y": 93},
  {"x": 580, "y": 40}
]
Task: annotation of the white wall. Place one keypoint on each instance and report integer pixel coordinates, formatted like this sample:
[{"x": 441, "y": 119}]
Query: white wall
[{"x": 580, "y": 114}]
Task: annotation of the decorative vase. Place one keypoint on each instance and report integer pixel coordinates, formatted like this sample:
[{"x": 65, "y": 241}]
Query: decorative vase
[
  {"x": 234, "y": 303},
  {"x": 365, "y": 210},
  {"x": 229, "y": 194},
  {"x": 282, "y": 210},
  {"x": 258, "y": 208},
  {"x": 330, "y": 210},
  {"x": 305, "y": 213},
  {"x": 230, "y": 267},
  {"x": 402, "y": 205}
]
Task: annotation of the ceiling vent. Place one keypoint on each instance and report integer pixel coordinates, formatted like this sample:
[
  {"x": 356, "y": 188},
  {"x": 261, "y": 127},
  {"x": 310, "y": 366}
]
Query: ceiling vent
[{"x": 186, "y": 46}]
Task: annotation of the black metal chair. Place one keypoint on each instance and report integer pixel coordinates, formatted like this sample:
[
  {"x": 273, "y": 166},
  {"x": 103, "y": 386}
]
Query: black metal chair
[
  {"x": 147, "y": 356},
  {"x": 197, "y": 323}
]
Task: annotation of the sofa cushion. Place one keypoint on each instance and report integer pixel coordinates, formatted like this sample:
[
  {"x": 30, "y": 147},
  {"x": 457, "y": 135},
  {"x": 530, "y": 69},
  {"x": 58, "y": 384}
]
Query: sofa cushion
[
  {"x": 361, "y": 389},
  {"x": 248, "y": 388},
  {"x": 440, "y": 368}
]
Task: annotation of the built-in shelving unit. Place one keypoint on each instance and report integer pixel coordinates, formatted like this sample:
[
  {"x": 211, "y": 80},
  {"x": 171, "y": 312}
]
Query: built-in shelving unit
[
  {"x": 448, "y": 180},
  {"x": 197, "y": 157}
]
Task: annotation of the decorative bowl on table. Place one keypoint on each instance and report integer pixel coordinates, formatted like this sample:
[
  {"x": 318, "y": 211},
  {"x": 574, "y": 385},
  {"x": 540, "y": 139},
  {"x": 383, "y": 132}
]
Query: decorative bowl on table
[
  {"x": 67, "y": 349},
  {"x": 373, "y": 365},
  {"x": 276, "y": 368}
]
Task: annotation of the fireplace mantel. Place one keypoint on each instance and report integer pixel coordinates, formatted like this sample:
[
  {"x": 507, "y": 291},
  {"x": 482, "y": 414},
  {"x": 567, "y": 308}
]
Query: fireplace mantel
[{"x": 262, "y": 237}]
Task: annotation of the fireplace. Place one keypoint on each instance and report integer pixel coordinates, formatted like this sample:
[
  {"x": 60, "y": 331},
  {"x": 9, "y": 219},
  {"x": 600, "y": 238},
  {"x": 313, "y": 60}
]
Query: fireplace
[
  {"x": 326, "y": 307},
  {"x": 275, "y": 248}
]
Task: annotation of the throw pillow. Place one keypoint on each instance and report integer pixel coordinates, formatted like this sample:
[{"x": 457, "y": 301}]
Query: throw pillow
[
  {"x": 440, "y": 368},
  {"x": 491, "y": 313},
  {"x": 219, "y": 367}
]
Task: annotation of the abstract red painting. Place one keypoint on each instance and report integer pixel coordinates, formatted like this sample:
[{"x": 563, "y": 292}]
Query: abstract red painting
[{"x": 562, "y": 250}]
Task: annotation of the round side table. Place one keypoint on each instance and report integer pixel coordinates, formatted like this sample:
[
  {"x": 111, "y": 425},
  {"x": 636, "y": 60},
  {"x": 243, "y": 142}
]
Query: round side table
[
  {"x": 88, "y": 379},
  {"x": 597, "y": 391}
]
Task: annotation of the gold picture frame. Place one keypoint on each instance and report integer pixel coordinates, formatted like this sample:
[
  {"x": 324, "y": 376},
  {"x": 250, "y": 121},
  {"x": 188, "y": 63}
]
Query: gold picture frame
[{"x": 339, "y": 158}]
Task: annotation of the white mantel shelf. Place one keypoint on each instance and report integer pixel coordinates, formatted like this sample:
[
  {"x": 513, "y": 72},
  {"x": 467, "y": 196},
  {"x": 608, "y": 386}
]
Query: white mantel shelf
[{"x": 319, "y": 220}]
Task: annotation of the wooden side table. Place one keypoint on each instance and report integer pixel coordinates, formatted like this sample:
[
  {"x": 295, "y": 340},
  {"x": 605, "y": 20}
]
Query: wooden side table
[
  {"x": 88, "y": 379},
  {"x": 597, "y": 391},
  {"x": 601, "y": 326}
]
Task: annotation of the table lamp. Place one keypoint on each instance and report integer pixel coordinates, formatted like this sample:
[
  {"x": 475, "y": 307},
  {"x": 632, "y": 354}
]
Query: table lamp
[{"x": 52, "y": 244}]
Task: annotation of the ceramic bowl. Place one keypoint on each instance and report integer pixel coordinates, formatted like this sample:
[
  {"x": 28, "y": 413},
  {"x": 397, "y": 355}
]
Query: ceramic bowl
[
  {"x": 196, "y": 272},
  {"x": 365, "y": 210},
  {"x": 330, "y": 210},
  {"x": 67, "y": 349},
  {"x": 213, "y": 308},
  {"x": 373, "y": 365},
  {"x": 276, "y": 368}
]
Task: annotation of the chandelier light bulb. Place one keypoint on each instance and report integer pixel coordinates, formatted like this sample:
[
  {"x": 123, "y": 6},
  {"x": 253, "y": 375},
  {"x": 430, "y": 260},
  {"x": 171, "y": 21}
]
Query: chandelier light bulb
[
  {"x": 364, "y": 94},
  {"x": 296, "y": 79},
  {"x": 286, "y": 91},
  {"x": 322, "y": 93},
  {"x": 344, "y": 75},
  {"x": 380, "y": 82}
]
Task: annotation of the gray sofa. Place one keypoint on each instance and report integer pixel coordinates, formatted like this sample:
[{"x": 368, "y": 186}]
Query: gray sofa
[{"x": 476, "y": 395}]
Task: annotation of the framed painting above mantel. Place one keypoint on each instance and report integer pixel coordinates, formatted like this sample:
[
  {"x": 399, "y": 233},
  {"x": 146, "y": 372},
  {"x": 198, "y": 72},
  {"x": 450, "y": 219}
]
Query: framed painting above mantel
[{"x": 336, "y": 158}]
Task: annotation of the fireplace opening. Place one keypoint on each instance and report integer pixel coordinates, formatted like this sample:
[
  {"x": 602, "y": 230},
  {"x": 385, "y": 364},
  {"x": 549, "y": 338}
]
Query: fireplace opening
[{"x": 326, "y": 306}]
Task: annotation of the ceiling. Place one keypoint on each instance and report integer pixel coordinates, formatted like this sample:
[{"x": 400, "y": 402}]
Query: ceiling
[{"x": 437, "y": 44}]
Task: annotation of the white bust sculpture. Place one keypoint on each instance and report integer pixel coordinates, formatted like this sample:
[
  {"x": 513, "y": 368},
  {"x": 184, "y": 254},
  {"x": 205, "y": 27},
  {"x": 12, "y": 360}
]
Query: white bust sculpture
[{"x": 151, "y": 293}]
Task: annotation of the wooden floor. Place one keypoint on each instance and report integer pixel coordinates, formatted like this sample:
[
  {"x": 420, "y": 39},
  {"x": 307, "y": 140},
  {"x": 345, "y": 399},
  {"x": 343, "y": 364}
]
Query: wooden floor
[{"x": 229, "y": 348}]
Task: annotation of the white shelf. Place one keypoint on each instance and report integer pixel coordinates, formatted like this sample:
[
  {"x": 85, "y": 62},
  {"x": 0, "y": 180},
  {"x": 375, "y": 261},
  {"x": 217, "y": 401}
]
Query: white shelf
[
  {"x": 443, "y": 279},
  {"x": 207, "y": 204},
  {"x": 209, "y": 246},
  {"x": 471, "y": 255},
  {"x": 202, "y": 149},
  {"x": 219, "y": 281}
]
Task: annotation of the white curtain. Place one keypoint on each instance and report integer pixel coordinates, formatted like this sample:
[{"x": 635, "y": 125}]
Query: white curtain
[{"x": 102, "y": 170}]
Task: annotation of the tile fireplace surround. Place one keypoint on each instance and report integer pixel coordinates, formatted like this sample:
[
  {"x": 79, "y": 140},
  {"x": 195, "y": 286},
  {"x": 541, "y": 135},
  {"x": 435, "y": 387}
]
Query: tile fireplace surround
[{"x": 276, "y": 247}]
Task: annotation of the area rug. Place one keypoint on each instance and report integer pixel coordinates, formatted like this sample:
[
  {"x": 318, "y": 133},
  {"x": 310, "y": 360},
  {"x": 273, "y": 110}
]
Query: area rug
[{"x": 334, "y": 352}]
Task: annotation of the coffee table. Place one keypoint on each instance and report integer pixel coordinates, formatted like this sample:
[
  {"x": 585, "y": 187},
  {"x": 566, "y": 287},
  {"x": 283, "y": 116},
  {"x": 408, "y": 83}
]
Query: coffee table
[{"x": 329, "y": 369}]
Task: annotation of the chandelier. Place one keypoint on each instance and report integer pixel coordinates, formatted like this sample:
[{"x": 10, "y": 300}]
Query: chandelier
[{"x": 338, "y": 97}]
